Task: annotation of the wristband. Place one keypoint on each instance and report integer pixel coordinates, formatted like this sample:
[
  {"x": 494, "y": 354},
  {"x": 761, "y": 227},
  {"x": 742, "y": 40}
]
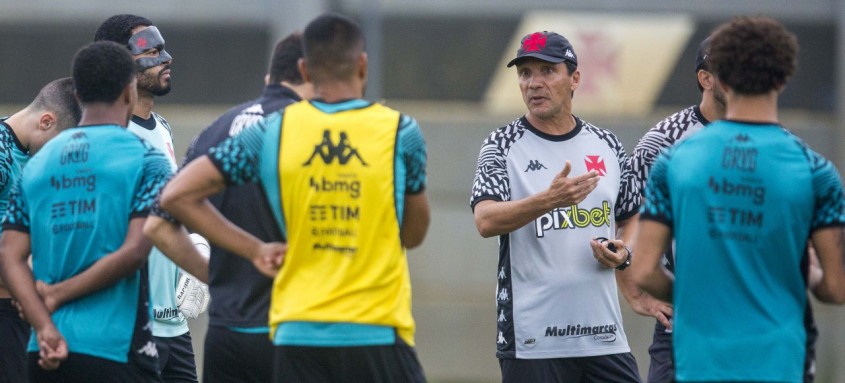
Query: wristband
[{"x": 627, "y": 262}]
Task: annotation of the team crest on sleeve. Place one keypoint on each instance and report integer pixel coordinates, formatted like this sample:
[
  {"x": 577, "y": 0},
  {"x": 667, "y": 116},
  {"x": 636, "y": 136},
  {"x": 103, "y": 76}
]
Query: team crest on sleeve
[{"x": 595, "y": 163}]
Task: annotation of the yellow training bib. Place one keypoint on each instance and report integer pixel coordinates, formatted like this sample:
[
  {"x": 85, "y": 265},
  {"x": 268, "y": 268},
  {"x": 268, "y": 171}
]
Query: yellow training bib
[{"x": 345, "y": 261}]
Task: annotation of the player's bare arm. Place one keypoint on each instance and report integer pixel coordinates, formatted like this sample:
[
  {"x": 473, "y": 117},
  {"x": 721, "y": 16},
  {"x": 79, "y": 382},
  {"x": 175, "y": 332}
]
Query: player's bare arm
[
  {"x": 186, "y": 198},
  {"x": 105, "y": 272},
  {"x": 175, "y": 242},
  {"x": 494, "y": 218},
  {"x": 641, "y": 302},
  {"x": 830, "y": 247},
  {"x": 652, "y": 241},
  {"x": 416, "y": 220},
  {"x": 14, "y": 250}
]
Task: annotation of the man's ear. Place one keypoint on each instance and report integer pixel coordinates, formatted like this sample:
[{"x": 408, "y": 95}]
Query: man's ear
[
  {"x": 130, "y": 92},
  {"x": 47, "y": 121},
  {"x": 706, "y": 79},
  {"x": 303, "y": 70},
  {"x": 362, "y": 66},
  {"x": 576, "y": 80}
]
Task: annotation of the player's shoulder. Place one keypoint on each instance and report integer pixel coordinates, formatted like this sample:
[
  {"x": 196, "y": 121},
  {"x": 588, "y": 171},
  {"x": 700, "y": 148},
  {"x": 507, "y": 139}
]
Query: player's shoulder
[
  {"x": 676, "y": 123},
  {"x": 592, "y": 128},
  {"x": 6, "y": 133},
  {"x": 8, "y": 141},
  {"x": 605, "y": 135},
  {"x": 672, "y": 129},
  {"x": 158, "y": 117},
  {"x": 814, "y": 159},
  {"x": 503, "y": 137}
]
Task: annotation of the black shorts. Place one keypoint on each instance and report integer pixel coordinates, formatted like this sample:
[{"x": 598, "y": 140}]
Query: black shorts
[
  {"x": 661, "y": 368},
  {"x": 14, "y": 335},
  {"x": 176, "y": 358},
  {"x": 366, "y": 364},
  {"x": 81, "y": 368},
  {"x": 615, "y": 368},
  {"x": 232, "y": 356}
]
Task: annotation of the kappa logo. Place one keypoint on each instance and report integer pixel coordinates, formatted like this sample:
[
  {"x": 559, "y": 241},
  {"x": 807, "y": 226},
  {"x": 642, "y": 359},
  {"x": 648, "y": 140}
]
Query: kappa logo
[
  {"x": 328, "y": 151},
  {"x": 569, "y": 54},
  {"x": 595, "y": 163},
  {"x": 149, "y": 349},
  {"x": 501, "y": 339},
  {"x": 503, "y": 295},
  {"x": 79, "y": 135},
  {"x": 534, "y": 165}
]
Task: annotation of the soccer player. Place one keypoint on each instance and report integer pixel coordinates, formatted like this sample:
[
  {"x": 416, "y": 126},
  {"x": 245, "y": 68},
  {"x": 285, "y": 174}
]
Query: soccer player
[
  {"x": 740, "y": 231},
  {"x": 665, "y": 134},
  {"x": 558, "y": 313},
  {"x": 22, "y": 134},
  {"x": 237, "y": 344},
  {"x": 170, "y": 327},
  {"x": 79, "y": 209},
  {"x": 341, "y": 305}
]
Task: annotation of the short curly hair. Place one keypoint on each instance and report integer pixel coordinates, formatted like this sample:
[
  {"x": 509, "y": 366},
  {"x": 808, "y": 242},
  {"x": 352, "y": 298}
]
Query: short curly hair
[
  {"x": 753, "y": 55},
  {"x": 101, "y": 70}
]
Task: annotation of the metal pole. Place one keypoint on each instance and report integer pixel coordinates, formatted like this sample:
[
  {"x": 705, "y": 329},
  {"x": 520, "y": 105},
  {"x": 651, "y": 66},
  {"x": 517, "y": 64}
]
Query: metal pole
[{"x": 372, "y": 20}]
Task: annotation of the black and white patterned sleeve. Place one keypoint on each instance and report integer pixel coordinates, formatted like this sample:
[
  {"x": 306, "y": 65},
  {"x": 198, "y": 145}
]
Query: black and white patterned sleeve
[
  {"x": 491, "y": 175},
  {"x": 663, "y": 135},
  {"x": 629, "y": 199},
  {"x": 647, "y": 149}
]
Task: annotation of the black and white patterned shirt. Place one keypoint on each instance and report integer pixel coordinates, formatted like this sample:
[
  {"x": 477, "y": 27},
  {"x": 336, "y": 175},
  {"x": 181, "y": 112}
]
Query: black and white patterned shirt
[
  {"x": 553, "y": 299},
  {"x": 666, "y": 133}
]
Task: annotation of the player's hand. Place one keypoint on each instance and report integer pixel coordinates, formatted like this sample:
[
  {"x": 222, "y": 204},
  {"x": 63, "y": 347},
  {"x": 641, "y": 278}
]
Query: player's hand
[
  {"x": 647, "y": 305},
  {"x": 49, "y": 295},
  {"x": 20, "y": 310},
  {"x": 606, "y": 256},
  {"x": 814, "y": 271},
  {"x": 52, "y": 348},
  {"x": 270, "y": 258},
  {"x": 566, "y": 191}
]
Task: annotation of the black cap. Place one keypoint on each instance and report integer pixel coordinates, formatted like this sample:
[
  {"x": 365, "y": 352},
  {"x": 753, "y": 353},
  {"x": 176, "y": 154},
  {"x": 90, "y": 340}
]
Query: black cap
[
  {"x": 701, "y": 54},
  {"x": 546, "y": 46}
]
